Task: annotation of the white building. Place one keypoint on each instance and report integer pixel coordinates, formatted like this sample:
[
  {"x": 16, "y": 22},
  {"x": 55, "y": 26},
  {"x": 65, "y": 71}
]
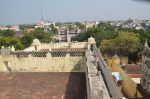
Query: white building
[{"x": 67, "y": 33}]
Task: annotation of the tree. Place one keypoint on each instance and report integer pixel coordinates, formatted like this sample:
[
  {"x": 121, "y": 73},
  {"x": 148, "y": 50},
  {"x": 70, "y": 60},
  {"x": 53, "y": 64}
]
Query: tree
[
  {"x": 124, "y": 44},
  {"x": 84, "y": 36},
  {"x": 43, "y": 36},
  {"x": 53, "y": 29},
  {"x": 5, "y": 41},
  {"x": 39, "y": 33},
  {"x": 7, "y": 33},
  {"x": 98, "y": 33},
  {"x": 58, "y": 24},
  {"x": 108, "y": 47},
  {"x": 26, "y": 26},
  {"x": 80, "y": 25},
  {"x": 17, "y": 44},
  {"x": 27, "y": 39},
  {"x": 81, "y": 37},
  {"x": 128, "y": 42},
  {"x": 9, "y": 41},
  {"x": 1, "y": 32},
  {"x": 102, "y": 35},
  {"x": 106, "y": 26}
]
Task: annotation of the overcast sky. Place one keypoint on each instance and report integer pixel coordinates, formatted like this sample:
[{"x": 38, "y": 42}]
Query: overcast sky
[{"x": 29, "y": 11}]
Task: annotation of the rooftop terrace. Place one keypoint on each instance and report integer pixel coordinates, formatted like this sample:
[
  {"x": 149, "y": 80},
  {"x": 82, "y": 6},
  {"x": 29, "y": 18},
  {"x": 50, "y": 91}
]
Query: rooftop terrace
[{"x": 27, "y": 85}]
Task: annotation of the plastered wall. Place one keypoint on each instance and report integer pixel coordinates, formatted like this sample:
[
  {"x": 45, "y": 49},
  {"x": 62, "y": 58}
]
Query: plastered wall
[{"x": 43, "y": 64}]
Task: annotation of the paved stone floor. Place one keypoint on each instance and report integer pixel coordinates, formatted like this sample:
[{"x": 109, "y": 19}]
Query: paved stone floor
[{"x": 25, "y": 85}]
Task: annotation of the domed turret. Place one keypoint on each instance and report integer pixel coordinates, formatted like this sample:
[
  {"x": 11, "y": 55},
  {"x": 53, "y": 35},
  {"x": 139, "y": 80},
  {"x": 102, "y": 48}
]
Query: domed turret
[
  {"x": 36, "y": 42},
  {"x": 91, "y": 40},
  {"x": 116, "y": 59}
]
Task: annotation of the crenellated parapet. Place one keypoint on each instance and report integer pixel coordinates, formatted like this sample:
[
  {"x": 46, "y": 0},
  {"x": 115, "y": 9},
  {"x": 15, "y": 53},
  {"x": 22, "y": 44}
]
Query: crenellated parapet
[
  {"x": 38, "y": 46},
  {"x": 56, "y": 60},
  {"x": 52, "y": 53},
  {"x": 54, "y": 57}
]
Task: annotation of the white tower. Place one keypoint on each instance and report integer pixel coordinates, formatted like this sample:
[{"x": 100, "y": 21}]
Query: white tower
[
  {"x": 42, "y": 21},
  {"x": 146, "y": 44}
]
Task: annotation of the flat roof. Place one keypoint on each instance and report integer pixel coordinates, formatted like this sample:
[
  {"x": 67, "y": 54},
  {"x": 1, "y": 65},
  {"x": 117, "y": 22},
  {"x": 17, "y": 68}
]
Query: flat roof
[{"x": 35, "y": 85}]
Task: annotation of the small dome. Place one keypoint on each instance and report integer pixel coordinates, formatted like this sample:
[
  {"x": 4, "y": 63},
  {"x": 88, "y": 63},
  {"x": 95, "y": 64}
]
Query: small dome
[
  {"x": 36, "y": 42},
  {"x": 91, "y": 40},
  {"x": 115, "y": 56}
]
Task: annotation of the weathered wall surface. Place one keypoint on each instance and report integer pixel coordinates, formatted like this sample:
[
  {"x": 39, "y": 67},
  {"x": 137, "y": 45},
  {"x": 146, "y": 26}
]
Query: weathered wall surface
[
  {"x": 2, "y": 66},
  {"x": 96, "y": 88},
  {"x": 43, "y": 64},
  {"x": 57, "y": 45},
  {"x": 145, "y": 79}
]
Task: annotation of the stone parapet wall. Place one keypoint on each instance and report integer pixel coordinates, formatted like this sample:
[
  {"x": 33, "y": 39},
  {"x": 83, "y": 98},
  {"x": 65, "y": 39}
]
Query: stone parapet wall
[
  {"x": 58, "y": 46},
  {"x": 67, "y": 61},
  {"x": 96, "y": 88}
]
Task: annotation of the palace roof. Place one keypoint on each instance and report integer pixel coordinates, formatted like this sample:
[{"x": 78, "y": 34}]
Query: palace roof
[{"x": 27, "y": 85}]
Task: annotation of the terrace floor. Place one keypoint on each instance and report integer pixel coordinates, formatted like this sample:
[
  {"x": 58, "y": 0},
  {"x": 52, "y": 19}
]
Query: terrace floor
[{"x": 33, "y": 85}]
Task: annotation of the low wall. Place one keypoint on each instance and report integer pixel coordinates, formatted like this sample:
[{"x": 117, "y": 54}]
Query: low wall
[
  {"x": 65, "y": 62},
  {"x": 96, "y": 88},
  {"x": 58, "y": 46}
]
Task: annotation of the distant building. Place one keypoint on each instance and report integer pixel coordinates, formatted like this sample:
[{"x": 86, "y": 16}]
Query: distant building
[
  {"x": 134, "y": 71},
  {"x": 14, "y": 28},
  {"x": 90, "y": 24},
  {"x": 43, "y": 23},
  {"x": 67, "y": 33}
]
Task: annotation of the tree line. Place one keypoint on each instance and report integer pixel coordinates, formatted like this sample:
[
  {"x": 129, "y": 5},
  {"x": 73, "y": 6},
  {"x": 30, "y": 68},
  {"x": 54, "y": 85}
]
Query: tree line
[
  {"x": 8, "y": 38},
  {"x": 116, "y": 40},
  {"x": 110, "y": 39}
]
